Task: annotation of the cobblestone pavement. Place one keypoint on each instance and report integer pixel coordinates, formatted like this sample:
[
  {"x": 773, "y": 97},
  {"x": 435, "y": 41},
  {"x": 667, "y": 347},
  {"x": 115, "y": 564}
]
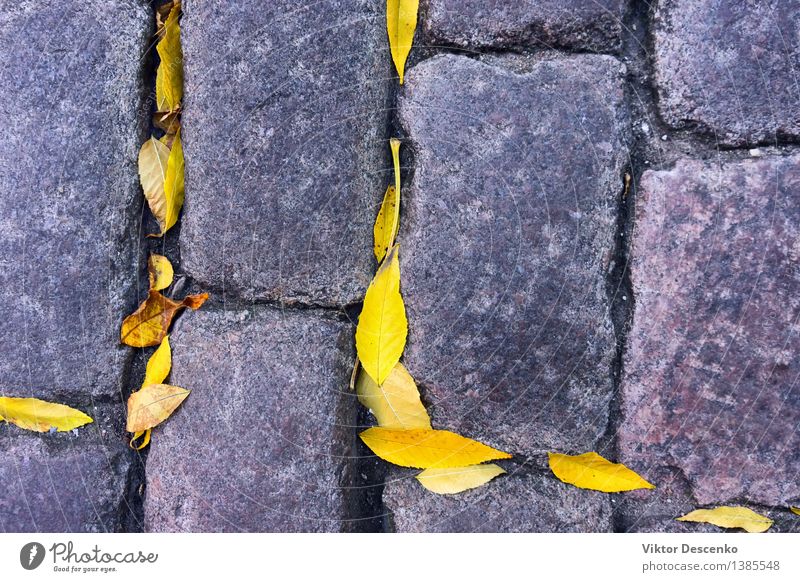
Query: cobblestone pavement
[{"x": 553, "y": 304}]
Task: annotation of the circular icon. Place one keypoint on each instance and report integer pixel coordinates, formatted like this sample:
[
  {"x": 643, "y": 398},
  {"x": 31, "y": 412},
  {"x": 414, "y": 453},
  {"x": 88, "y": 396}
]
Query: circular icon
[{"x": 31, "y": 555}]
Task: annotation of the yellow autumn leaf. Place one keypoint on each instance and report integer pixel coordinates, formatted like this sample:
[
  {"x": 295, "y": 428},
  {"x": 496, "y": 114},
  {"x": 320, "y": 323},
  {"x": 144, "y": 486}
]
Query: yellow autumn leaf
[
  {"x": 148, "y": 325},
  {"x": 153, "y": 159},
  {"x": 159, "y": 364},
  {"x": 169, "y": 75},
  {"x": 591, "y": 471},
  {"x": 41, "y": 416},
  {"x": 401, "y": 22},
  {"x": 173, "y": 185},
  {"x": 152, "y": 405},
  {"x": 425, "y": 448},
  {"x": 385, "y": 228},
  {"x": 168, "y": 121},
  {"x": 730, "y": 517},
  {"x": 458, "y": 479},
  {"x": 395, "y": 403},
  {"x": 795, "y": 510},
  {"x": 160, "y": 272},
  {"x": 140, "y": 434},
  {"x": 382, "y": 325}
]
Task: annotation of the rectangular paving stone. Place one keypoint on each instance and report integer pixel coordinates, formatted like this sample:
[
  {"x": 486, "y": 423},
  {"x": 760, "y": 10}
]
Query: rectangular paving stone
[
  {"x": 70, "y": 93},
  {"x": 729, "y": 68},
  {"x": 265, "y": 440},
  {"x": 710, "y": 401},
  {"x": 506, "y": 241},
  {"x": 576, "y": 24},
  {"x": 521, "y": 501},
  {"x": 285, "y": 113},
  {"x": 64, "y": 482}
]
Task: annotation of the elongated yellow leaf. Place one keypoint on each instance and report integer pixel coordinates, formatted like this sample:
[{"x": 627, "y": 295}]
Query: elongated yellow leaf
[
  {"x": 385, "y": 228},
  {"x": 425, "y": 449},
  {"x": 153, "y": 159},
  {"x": 148, "y": 325},
  {"x": 159, "y": 269},
  {"x": 395, "y": 403},
  {"x": 591, "y": 471},
  {"x": 174, "y": 184},
  {"x": 458, "y": 479},
  {"x": 41, "y": 416},
  {"x": 730, "y": 517},
  {"x": 152, "y": 405},
  {"x": 401, "y": 22},
  {"x": 795, "y": 510},
  {"x": 169, "y": 75},
  {"x": 159, "y": 364},
  {"x": 382, "y": 325}
]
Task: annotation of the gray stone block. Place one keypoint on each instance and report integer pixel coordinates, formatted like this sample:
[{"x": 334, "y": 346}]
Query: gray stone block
[
  {"x": 506, "y": 240},
  {"x": 265, "y": 440},
  {"x": 285, "y": 113},
  {"x": 70, "y": 93}
]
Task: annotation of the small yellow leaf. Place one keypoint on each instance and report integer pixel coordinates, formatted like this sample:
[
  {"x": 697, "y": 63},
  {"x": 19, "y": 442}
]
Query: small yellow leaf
[
  {"x": 169, "y": 75},
  {"x": 174, "y": 183},
  {"x": 41, "y": 416},
  {"x": 138, "y": 435},
  {"x": 148, "y": 325},
  {"x": 385, "y": 228},
  {"x": 425, "y": 449},
  {"x": 591, "y": 471},
  {"x": 152, "y": 405},
  {"x": 795, "y": 510},
  {"x": 159, "y": 269},
  {"x": 730, "y": 517},
  {"x": 458, "y": 479},
  {"x": 401, "y": 22},
  {"x": 382, "y": 325},
  {"x": 395, "y": 403},
  {"x": 153, "y": 160},
  {"x": 159, "y": 364}
]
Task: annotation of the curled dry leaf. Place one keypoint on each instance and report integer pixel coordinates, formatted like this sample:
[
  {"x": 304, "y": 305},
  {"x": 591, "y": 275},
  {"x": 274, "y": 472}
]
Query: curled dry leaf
[
  {"x": 382, "y": 325},
  {"x": 591, "y": 471},
  {"x": 148, "y": 325},
  {"x": 401, "y": 22},
  {"x": 458, "y": 479},
  {"x": 730, "y": 517},
  {"x": 41, "y": 416},
  {"x": 152, "y": 405},
  {"x": 169, "y": 75},
  {"x": 425, "y": 449},
  {"x": 396, "y": 402},
  {"x": 160, "y": 272},
  {"x": 140, "y": 434},
  {"x": 159, "y": 364},
  {"x": 153, "y": 159}
]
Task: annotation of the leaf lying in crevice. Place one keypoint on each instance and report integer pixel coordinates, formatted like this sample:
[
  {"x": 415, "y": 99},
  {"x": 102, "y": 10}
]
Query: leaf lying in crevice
[
  {"x": 385, "y": 228},
  {"x": 382, "y": 325},
  {"x": 169, "y": 122},
  {"x": 41, "y": 416},
  {"x": 153, "y": 159},
  {"x": 591, "y": 471},
  {"x": 173, "y": 187},
  {"x": 148, "y": 325},
  {"x": 160, "y": 272},
  {"x": 730, "y": 517},
  {"x": 140, "y": 434},
  {"x": 458, "y": 479},
  {"x": 169, "y": 75},
  {"x": 425, "y": 449},
  {"x": 401, "y": 22},
  {"x": 395, "y": 403},
  {"x": 795, "y": 510},
  {"x": 159, "y": 364},
  {"x": 152, "y": 405}
]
